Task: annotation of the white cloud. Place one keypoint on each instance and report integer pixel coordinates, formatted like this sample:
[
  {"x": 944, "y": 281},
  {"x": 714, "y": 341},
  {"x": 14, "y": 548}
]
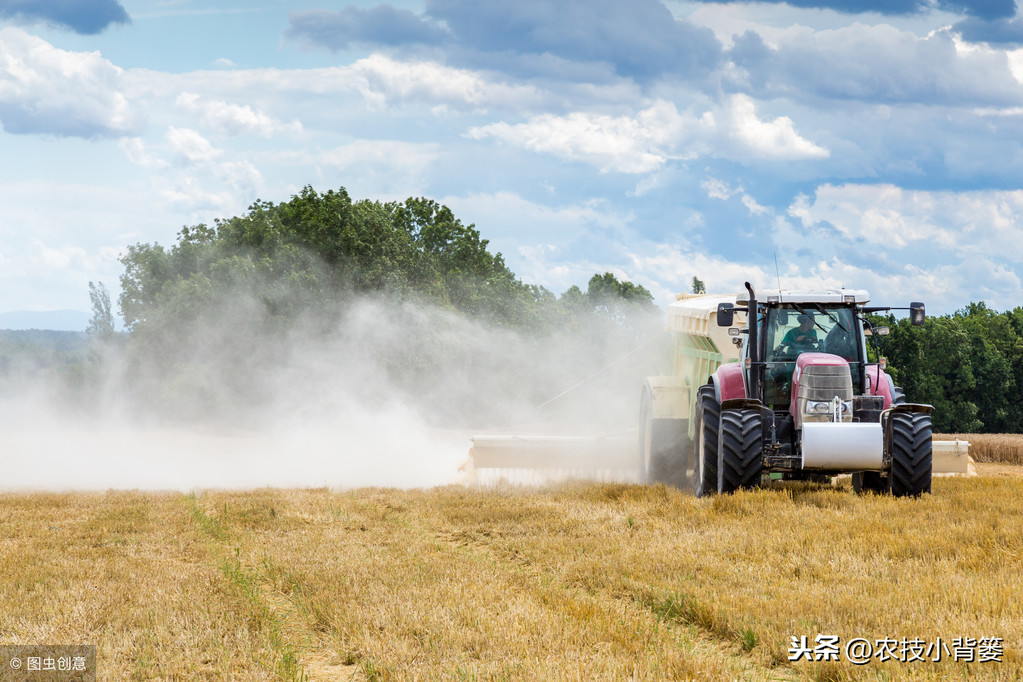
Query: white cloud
[
  {"x": 44, "y": 89},
  {"x": 953, "y": 247},
  {"x": 384, "y": 81},
  {"x": 57, "y": 237},
  {"x": 189, "y": 195},
  {"x": 670, "y": 269},
  {"x": 718, "y": 189},
  {"x": 196, "y": 152},
  {"x": 645, "y": 142},
  {"x": 873, "y": 63},
  {"x": 626, "y": 144},
  {"x": 63, "y": 257},
  {"x": 387, "y": 167},
  {"x": 530, "y": 219},
  {"x": 233, "y": 119},
  {"x": 546, "y": 264},
  {"x": 135, "y": 149},
  {"x": 753, "y": 206},
  {"x": 775, "y": 139},
  {"x": 982, "y": 221},
  {"x": 555, "y": 246},
  {"x": 191, "y": 147}
]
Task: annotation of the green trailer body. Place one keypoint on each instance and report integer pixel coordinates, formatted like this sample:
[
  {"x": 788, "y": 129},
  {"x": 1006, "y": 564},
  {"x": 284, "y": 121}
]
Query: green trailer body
[{"x": 667, "y": 406}]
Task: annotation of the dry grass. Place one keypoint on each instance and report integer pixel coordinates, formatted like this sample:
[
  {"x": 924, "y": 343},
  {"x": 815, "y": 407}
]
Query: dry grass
[
  {"x": 581, "y": 581},
  {"x": 1006, "y": 448},
  {"x": 129, "y": 573}
]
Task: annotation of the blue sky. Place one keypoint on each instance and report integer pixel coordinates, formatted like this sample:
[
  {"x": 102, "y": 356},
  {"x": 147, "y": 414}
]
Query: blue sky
[{"x": 866, "y": 144}]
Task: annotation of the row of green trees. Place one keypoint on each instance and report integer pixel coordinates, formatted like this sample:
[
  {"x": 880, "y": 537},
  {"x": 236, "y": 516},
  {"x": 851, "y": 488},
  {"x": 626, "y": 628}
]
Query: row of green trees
[
  {"x": 969, "y": 365},
  {"x": 318, "y": 251}
]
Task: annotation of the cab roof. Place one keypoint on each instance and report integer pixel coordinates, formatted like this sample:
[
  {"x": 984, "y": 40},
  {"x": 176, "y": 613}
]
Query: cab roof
[{"x": 858, "y": 296}]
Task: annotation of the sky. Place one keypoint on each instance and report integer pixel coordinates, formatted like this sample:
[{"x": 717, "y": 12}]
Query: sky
[{"x": 861, "y": 143}]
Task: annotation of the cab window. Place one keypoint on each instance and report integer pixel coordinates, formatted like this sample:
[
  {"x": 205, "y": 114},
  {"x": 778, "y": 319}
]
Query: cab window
[{"x": 791, "y": 330}]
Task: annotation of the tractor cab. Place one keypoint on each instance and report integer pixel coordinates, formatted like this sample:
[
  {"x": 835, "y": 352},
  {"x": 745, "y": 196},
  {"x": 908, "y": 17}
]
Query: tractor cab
[{"x": 821, "y": 331}]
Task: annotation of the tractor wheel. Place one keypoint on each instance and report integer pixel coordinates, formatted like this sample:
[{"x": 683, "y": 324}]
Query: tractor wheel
[
  {"x": 868, "y": 481},
  {"x": 910, "y": 475},
  {"x": 898, "y": 395},
  {"x": 705, "y": 442},
  {"x": 741, "y": 450},
  {"x": 663, "y": 446}
]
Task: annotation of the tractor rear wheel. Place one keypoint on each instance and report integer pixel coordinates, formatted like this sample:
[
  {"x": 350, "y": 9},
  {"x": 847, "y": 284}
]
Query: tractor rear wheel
[
  {"x": 910, "y": 475},
  {"x": 741, "y": 450},
  {"x": 705, "y": 442}
]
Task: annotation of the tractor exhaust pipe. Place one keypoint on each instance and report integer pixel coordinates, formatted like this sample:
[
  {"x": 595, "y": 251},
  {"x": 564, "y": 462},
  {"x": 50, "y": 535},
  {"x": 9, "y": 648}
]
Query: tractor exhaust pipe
[{"x": 756, "y": 365}]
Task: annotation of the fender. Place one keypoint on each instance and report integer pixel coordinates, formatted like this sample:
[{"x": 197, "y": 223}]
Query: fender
[
  {"x": 879, "y": 383},
  {"x": 728, "y": 382}
]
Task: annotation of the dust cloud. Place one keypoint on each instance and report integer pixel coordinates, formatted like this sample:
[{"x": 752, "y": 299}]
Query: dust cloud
[{"x": 374, "y": 393}]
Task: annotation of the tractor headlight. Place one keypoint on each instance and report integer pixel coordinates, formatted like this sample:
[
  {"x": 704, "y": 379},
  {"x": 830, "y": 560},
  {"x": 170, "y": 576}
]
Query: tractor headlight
[{"x": 826, "y": 406}]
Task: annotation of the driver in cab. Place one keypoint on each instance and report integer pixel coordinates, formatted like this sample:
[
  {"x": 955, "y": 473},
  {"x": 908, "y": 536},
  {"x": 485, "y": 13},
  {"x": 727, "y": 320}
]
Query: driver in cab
[{"x": 802, "y": 338}]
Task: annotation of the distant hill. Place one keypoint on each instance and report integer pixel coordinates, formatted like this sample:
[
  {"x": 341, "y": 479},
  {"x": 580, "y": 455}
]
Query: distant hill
[{"x": 56, "y": 320}]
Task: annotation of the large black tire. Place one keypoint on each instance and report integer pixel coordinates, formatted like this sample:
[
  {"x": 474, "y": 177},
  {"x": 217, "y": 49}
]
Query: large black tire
[
  {"x": 705, "y": 442},
  {"x": 663, "y": 446},
  {"x": 911, "y": 454},
  {"x": 875, "y": 481},
  {"x": 741, "y": 444}
]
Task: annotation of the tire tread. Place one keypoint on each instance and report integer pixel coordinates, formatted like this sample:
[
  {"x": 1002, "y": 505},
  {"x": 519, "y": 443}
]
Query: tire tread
[
  {"x": 741, "y": 446},
  {"x": 911, "y": 454}
]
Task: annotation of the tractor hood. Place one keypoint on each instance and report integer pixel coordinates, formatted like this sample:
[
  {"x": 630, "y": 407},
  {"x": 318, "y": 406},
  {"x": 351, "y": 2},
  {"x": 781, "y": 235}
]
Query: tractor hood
[{"x": 825, "y": 376}]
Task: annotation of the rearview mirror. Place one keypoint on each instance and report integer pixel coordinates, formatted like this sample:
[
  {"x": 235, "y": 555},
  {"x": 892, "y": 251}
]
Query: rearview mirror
[
  {"x": 916, "y": 314},
  {"x": 725, "y": 314}
]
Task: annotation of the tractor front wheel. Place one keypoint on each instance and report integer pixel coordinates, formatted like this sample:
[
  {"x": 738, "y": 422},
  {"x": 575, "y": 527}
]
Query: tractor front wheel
[
  {"x": 740, "y": 440},
  {"x": 910, "y": 474}
]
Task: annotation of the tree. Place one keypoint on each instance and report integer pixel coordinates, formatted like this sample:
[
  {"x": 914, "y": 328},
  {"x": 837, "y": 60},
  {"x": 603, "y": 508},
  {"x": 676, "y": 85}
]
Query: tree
[
  {"x": 318, "y": 250},
  {"x": 627, "y": 304},
  {"x": 698, "y": 286},
  {"x": 607, "y": 288},
  {"x": 101, "y": 326},
  {"x": 936, "y": 365}
]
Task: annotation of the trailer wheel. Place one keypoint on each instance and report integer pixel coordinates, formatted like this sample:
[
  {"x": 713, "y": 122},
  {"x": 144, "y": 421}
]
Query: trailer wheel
[
  {"x": 663, "y": 446},
  {"x": 741, "y": 450},
  {"x": 910, "y": 474},
  {"x": 705, "y": 442},
  {"x": 868, "y": 481}
]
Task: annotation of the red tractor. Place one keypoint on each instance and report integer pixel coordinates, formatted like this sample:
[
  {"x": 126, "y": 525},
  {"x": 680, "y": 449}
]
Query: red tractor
[{"x": 804, "y": 401}]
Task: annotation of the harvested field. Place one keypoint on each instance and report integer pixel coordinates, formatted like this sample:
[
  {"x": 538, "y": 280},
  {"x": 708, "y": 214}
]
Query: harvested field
[
  {"x": 579, "y": 581},
  {"x": 1006, "y": 448}
]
